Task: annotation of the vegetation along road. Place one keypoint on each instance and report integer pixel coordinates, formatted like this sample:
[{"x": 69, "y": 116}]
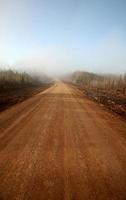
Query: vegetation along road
[{"x": 60, "y": 145}]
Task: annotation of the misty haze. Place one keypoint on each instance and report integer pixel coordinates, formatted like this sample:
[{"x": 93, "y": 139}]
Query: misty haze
[{"x": 62, "y": 100}]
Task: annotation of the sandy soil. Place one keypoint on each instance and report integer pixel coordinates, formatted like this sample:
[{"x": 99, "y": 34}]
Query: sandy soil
[{"x": 59, "y": 145}]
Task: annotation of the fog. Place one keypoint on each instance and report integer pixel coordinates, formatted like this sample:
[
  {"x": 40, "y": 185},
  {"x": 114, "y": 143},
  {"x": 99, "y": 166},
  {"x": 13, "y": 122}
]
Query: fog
[{"x": 62, "y": 37}]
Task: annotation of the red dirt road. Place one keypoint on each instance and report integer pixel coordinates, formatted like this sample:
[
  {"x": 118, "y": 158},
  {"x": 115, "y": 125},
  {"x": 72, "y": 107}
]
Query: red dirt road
[{"x": 59, "y": 145}]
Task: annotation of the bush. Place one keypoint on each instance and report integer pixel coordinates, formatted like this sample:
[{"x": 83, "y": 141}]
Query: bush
[
  {"x": 102, "y": 82},
  {"x": 10, "y": 79}
]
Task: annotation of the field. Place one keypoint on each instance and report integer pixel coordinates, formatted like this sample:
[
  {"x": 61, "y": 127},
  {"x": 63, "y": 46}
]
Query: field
[
  {"x": 16, "y": 87},
  {"x": 108, "y": 90}
]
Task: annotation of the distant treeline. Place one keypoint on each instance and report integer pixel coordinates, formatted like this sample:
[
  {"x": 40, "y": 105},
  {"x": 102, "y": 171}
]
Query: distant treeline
[
  {"x": 11, "y": 79},
  {"x": 96, "y": 81}
]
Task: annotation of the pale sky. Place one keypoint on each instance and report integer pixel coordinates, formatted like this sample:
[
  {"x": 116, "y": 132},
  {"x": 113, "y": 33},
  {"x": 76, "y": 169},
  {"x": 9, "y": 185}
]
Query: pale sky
[{"x": 63, "y": 35}]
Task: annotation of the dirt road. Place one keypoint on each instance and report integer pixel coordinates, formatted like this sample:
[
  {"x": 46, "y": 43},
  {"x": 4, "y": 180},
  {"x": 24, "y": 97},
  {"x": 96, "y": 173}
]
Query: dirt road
[{"x": 60, "y": 145}]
